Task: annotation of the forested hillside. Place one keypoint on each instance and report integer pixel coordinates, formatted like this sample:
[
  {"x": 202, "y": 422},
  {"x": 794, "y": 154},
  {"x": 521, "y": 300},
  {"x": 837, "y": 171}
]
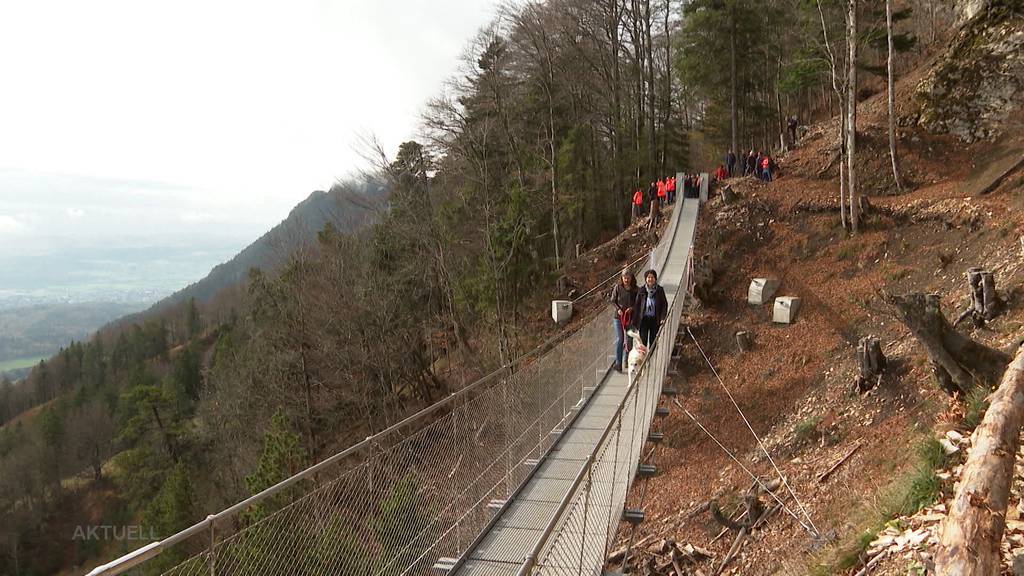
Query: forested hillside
[{"x": 559, "y": 111}]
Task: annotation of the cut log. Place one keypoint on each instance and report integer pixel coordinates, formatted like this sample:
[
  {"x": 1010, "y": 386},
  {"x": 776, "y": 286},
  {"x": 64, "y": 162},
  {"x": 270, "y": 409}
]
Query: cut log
[
  {"x": 728, "y": 194},
  {"x": 960, "y": 364},
  {"x": 973, "y": 530}
]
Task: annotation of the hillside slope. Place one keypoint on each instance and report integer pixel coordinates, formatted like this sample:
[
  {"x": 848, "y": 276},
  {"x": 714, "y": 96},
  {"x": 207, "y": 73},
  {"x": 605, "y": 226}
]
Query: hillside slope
[
  {"x": 796, "y": 385},
  {"x": 348, "y": 207}
]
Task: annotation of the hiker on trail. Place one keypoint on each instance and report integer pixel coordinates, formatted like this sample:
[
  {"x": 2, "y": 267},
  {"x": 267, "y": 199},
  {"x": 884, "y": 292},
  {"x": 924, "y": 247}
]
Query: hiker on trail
[
  {"x": 757, "y": 165},
  {"x": 730, "y": 162},
  {"x": 623, "y": 298},
  {"x": 751, "y": 165},
  {"x": 766, "y": 168},
  {"x": 792, "y": 125},
  {"x": 650, "y": 308},
  {"x": 721, "y": 173},
  {"x": 652, "y": 192},
  {"x": 638, "y": 204},
  {"x": 662, "y": 192},
  {"x": 670, "y": 189}
]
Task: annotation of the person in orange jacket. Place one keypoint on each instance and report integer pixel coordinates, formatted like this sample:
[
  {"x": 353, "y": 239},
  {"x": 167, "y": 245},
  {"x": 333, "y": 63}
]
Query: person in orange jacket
[
  {"x": 670, "y": 189},
  {"x": 661, "y": 191},
  {"x": 638, "y": 204}
]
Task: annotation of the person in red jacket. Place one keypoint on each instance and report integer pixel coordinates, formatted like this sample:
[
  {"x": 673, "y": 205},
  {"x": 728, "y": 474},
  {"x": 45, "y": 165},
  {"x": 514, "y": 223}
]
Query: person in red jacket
[
  {"x": 670, "y": 189},
  {"x": 766, "y": 168},
  {"x": 638, "y": 204},
  {"x": 721, "y": 173},
  {"x": 661, "y": 192}
]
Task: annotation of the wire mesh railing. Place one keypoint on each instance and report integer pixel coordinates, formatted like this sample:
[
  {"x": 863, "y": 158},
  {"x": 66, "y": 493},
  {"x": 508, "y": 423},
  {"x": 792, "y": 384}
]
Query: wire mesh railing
[
  {"x": 420, "y": 490},
  {"x": 580, "y": 537}
]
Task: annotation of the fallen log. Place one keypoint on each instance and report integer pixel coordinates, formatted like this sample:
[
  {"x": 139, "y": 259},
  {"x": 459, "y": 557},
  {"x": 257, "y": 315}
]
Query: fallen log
[
  {"x": 973, "y": 530},
  {"x": 960, "y": 364}
]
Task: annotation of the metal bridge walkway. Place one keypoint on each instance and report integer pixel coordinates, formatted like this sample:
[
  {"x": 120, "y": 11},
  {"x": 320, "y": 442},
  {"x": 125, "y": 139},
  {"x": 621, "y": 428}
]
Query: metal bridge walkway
[{"x": 530, "y": 520}]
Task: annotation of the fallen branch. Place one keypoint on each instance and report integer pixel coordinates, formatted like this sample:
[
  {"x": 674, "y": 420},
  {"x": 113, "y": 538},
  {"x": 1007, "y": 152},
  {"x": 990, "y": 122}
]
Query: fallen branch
[{"x": 824, "y": 475}]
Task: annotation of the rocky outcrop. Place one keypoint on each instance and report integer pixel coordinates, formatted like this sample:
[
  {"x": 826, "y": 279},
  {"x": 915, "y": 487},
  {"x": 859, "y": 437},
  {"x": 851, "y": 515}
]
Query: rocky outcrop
[{"x": 978, "y": 82}]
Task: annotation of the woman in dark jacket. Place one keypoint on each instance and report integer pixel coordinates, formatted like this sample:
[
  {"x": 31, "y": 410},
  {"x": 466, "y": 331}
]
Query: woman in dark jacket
[
  {"x": 650, "y": 308},
  {"x": 623, "y": 298}
]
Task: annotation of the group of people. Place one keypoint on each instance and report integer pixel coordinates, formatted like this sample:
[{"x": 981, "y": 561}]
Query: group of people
[
  {"x": 757, "y": 164},
  {"x": 663, "y": 192},
  {"x": 643, "y": 308}
]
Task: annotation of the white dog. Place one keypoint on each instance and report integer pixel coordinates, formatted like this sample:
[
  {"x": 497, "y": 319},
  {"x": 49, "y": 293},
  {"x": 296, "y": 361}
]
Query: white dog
[{"x": 637, "y": 354}]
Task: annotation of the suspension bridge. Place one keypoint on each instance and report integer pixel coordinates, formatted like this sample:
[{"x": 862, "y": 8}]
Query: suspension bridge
[{"x": 526, "y": 471}]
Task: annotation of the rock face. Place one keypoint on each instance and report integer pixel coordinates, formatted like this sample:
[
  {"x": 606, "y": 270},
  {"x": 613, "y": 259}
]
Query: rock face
[
  {"x": 967, "y": 9},
  {"x": 977, "y": 83}
]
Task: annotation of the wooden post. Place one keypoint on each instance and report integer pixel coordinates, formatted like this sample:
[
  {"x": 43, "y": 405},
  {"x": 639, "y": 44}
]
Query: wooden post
[{"x": 973, "y": 530}]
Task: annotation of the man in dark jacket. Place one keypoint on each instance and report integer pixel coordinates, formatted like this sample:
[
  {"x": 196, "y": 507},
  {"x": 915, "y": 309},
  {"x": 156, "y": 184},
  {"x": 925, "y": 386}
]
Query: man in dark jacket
[
  {"x": 650, "y": 308},
  {"x": 730, "y": 163}
]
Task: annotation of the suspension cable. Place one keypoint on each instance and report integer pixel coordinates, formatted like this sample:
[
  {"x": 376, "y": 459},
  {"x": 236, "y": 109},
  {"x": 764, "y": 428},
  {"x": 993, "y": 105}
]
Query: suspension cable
[
  {"x": 810, "y": 529},
  {"x": 760, "y": 443},
  {"x": 612, "y": 277}
]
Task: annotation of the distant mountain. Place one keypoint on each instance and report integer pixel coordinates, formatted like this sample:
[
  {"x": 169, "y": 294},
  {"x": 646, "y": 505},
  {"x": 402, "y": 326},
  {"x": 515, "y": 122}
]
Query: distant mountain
[{"x": 348, "y": 206}]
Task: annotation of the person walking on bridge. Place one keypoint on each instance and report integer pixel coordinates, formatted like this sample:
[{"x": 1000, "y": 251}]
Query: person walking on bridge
[
  {"x": 650, "y": 308},
  {"x": 623, "y": 298},
  {"x": 670, "y": 189}
]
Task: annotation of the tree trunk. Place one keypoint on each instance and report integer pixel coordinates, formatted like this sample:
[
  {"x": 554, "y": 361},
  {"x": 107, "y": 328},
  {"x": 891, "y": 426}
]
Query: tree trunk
[
  {"x": 960, "y": 363},
  {"x": 734, "y": 115},
  {"x": 834, "y": 69},
  {"x": 892, "y": 98},
  {"x": 851, "y": 113},
  {"x": 973, "y": 531}
]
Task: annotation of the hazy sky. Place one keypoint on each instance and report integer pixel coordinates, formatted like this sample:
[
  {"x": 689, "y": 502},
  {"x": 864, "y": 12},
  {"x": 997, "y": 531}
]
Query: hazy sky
[{"x": 161, "y": 118}]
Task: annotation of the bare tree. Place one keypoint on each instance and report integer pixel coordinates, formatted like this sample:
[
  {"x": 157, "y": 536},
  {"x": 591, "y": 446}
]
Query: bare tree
[
  {"x": 851, "y": 113},
  {"x": 892, "y": 97}
]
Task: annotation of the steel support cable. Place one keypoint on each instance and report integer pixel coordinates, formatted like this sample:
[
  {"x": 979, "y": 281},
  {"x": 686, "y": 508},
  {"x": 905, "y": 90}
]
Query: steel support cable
[
  {"x": 601, "y": 284},
  {"x": 760, "y": 443},
  {"x": 756, "y": 478}
]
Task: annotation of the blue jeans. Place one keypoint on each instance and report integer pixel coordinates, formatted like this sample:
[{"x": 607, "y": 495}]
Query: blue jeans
[{"x": 620, "y": 341}]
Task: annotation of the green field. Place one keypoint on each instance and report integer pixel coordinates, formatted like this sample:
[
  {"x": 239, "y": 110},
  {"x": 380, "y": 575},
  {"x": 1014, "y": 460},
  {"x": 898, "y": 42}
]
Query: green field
[{"x": 19, "y": 363}]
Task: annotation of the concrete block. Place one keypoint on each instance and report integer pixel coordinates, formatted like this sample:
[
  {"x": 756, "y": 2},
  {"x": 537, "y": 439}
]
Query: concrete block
[
  {"x": 785, "y": 309},
  {"x": 762, "y": 290},
  {"x": 561, "y": 310}
]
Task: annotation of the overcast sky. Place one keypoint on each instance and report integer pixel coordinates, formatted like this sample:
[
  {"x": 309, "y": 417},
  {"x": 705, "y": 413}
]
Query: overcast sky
[{"x": 146, "y": 117}]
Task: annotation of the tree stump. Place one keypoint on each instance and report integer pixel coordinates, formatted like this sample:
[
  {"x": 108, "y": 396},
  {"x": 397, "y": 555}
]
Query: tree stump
[
  {"x": 984, "y": 301},
  {"x": 744, "y": 341},
  {"x": 872, "y": 363},
  {"x": 703, "y": 278},
  {"x": 729, "y": 196},
  {"x": 960, "y": 364}
]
